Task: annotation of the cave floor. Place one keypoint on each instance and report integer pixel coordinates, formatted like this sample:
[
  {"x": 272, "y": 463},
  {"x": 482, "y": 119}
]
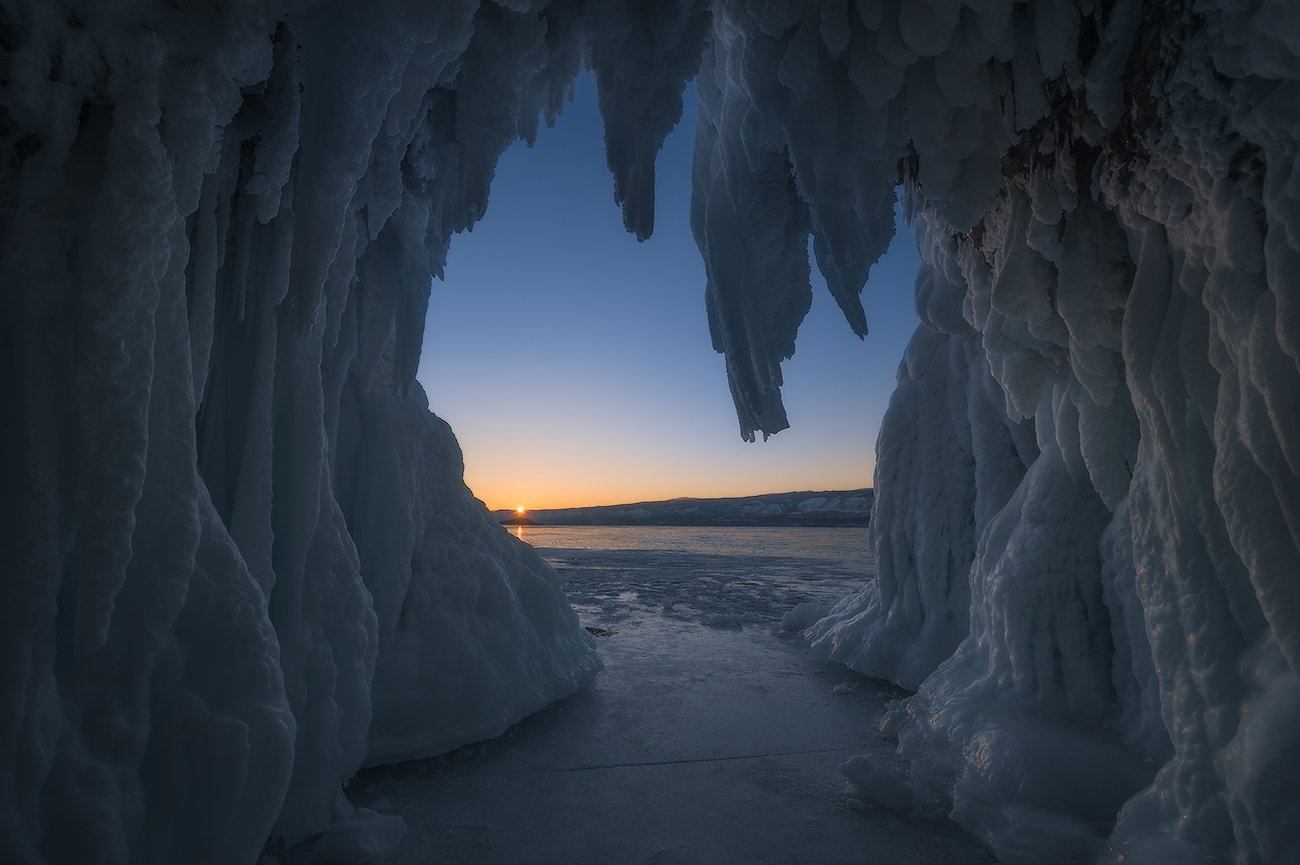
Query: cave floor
[{"x": 695, "y": 745}]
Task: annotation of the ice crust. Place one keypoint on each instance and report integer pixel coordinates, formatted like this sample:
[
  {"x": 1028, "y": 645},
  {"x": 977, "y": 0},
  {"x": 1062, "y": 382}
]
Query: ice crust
[{"x": 240, "y": 559}]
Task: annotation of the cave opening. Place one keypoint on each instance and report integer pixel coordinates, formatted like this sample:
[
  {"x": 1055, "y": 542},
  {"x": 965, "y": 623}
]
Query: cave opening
[
  {"x": 592, "y": 380},
  {"x": 242, "y": 561}
]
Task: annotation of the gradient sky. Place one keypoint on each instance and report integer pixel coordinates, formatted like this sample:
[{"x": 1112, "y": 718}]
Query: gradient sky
[{"x": 574, "y": 363}]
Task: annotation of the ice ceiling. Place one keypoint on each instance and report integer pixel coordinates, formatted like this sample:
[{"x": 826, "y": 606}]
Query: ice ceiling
[{"x": 239, "y": 557}]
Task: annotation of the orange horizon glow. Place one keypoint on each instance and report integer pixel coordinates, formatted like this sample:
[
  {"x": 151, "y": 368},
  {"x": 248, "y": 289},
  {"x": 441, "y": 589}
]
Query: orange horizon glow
[
  {"x": 593, "y": 498},
  {"x": 559, "y": 469},
  {"x": 606, "y": 464}
]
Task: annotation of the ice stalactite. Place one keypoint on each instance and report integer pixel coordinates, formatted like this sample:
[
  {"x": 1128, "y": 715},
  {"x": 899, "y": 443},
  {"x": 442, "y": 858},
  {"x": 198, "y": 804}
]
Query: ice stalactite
[
  {"x": 777, "y": 162},
  {"x": 643, "y": 56}
]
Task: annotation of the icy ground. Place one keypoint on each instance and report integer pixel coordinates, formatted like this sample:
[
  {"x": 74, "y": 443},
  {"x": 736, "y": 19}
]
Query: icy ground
[
  {"x": 723, "y": 577},
  {"x": 713, "y": 736}
]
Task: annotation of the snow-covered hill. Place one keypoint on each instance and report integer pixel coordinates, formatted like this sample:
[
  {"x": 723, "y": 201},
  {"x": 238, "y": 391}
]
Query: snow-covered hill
[{"x": 832, "y": 508}]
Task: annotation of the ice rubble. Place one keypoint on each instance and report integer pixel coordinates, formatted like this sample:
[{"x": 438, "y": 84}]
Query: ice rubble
[{"x": 241, "y": 558}]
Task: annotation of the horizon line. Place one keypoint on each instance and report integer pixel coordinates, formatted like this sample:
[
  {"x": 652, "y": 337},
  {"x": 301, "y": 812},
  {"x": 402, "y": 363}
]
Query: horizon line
[{"x": 531, "y": 510}]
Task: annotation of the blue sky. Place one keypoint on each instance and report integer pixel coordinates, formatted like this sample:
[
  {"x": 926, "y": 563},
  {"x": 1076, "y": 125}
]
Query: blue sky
[{"x": 574, "y": 362}]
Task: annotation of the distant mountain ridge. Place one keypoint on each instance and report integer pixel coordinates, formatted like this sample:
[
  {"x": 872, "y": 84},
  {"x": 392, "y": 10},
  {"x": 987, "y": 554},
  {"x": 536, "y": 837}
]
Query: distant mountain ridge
[{"x": 827, "y": 508}]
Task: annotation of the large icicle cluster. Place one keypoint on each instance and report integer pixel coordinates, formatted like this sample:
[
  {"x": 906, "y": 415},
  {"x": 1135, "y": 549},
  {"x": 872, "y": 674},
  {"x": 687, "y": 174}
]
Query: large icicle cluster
[
  {"x": 1088, "y": 495},
  {"x": 239, "y": 557}
]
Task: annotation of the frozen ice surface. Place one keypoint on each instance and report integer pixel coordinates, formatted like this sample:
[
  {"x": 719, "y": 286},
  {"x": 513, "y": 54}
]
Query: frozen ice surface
[
  {"x": 720, "y": 577},
  {"x": 724, "y": 620},
  {"x": 363, "y": 837},
  {"x": 695, "y": 746}
]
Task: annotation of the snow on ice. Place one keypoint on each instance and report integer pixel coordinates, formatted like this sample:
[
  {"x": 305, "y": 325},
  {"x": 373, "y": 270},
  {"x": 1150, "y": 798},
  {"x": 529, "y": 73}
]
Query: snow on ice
[{"x": 240, "y": 559}]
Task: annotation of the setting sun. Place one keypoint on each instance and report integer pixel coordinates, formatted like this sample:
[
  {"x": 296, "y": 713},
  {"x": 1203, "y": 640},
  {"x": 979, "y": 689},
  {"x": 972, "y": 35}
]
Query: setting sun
[{"x": 519, "y": 510}]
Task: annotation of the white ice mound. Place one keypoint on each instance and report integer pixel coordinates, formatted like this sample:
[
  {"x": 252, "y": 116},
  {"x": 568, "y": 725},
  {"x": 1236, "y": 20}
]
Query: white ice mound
[
  {"x": 801, "y": 615},
  {"x": 476, "y": 633}
]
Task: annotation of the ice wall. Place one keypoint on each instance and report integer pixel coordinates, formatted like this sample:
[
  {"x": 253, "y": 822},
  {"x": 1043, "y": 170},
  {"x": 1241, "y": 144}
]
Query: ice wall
[
  {"x": 1088, "y": 504},
  {"x": 239, "y": 558}
]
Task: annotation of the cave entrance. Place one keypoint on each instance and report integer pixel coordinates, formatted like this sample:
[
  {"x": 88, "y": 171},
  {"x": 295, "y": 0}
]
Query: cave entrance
[{"x": 574, "y": 364}]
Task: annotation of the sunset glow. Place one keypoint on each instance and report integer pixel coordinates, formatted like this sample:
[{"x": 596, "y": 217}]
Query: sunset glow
[{"x": 624, "y": 399}]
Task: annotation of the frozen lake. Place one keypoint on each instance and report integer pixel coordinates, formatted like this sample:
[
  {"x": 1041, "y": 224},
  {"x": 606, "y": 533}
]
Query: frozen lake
[
  {"x": 712, "y": 736},
  {"x": 719, "y": 575}
]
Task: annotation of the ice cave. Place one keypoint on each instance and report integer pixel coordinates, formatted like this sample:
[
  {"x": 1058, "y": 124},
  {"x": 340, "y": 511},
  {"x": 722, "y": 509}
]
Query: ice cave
[{"x": 240, "y": 561}]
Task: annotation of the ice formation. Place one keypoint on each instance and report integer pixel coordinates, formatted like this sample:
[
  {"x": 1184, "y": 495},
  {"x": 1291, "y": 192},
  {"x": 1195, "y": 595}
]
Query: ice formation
[
  {"x": 239, "y": 555},
  {"x": 1088, "y": 495}
]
